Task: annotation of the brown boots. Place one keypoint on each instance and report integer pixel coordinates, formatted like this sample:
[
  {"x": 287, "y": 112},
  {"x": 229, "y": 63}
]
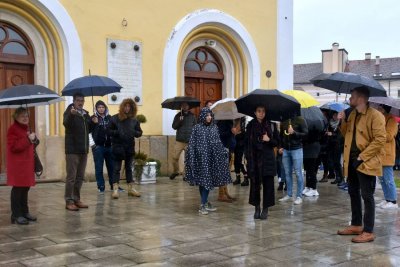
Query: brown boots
[{"x": 224, "y": 196}]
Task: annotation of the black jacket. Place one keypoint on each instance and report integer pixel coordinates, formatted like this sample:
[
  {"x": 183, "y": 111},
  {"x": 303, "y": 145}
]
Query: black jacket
[
  {"x": 293, "y": 141},
  {"x": 99, "y": 130},
  {"x": 123, "y": 132},
  {"x": 76, "y": 132},
  {"x": 184, "y": 127},
  {"x": 225, "y": 133}
]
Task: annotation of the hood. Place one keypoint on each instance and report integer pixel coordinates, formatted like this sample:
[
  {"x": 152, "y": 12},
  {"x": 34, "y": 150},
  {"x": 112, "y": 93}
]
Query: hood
[
  {"x": 101, "y": 103},
  {"x": 203, "y": 115},
  {"x": 121, "y": 115}
]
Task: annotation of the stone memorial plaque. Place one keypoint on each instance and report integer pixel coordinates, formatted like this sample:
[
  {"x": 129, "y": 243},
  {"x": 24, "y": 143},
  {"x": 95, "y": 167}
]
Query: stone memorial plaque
[{"x": 124, "y": 62}]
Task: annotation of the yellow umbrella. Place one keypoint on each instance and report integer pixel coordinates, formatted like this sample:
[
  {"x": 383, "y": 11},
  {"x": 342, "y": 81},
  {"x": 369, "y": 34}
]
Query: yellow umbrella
[{"x": 305, "y": 99}]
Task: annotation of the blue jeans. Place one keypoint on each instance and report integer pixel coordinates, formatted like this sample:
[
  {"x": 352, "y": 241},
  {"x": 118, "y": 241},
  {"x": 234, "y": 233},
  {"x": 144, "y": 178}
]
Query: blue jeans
[
  {"x": 101, "y": 154},
  {"x": 203, "y": 195},
  {"x": 293, "y": 159},
  {"x": 388, "y": 185}
]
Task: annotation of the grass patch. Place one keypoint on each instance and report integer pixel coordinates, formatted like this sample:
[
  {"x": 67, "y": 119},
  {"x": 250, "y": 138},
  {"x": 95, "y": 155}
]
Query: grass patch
[{"x": 397, "y": 182}]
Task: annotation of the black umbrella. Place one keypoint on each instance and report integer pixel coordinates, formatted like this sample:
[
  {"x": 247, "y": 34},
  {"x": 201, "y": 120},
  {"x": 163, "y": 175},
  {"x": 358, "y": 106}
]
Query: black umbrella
[
  {"x": 175, "y": 103},
  {"x": 91, "y": 85},
  {"x": 279, "y": 106},
  {"x": 314, "y": 117},
  {"x": 394, "y": 104},
  {"x": 28, "y": 95},
  {"x": 344, "y": 82}
]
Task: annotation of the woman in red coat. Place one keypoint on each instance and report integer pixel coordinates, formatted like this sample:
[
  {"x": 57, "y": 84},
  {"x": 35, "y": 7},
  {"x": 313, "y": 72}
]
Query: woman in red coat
[{"x": 20, "y": 166}]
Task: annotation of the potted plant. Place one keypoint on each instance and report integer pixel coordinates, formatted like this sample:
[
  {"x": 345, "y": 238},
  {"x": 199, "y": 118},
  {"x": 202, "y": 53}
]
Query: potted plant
[{"x": 145, "y": 169}]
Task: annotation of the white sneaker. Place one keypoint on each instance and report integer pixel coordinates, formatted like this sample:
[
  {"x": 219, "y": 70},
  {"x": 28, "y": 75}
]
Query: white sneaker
[
  {"x": 285, "y": 198},
  {"x": 305, "y": 190},
  {"x": 380, "y": 204},
  {"x": 312, "y": 193},
  {"x": 390, "y": 205},
  {"x": 298, "y": 201}
]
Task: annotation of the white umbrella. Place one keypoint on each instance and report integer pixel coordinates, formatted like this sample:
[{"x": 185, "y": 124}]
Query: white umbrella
[{"x": 225, "y": 109}]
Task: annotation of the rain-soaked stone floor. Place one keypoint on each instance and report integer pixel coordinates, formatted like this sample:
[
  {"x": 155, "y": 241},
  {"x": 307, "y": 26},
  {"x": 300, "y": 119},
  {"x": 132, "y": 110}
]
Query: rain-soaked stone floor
[{"x": 163, "y": 228}]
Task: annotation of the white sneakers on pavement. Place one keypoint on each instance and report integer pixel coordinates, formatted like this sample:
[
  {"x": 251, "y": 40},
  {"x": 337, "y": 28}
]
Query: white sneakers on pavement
[
  {"x": 389, "y": 205},
  {"x": 312, "y": 193},
  {"x": 380, "y": 204},
  {"x": 298, "y": 201},
  {"x": 305, "y": 190},
  {"x": 285, "y": 198}
]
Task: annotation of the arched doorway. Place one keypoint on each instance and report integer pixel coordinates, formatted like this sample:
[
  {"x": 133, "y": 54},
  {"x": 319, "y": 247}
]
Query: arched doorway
[
  {"x": 203, "y": 76},
  {"x": 16, "y": 67}
]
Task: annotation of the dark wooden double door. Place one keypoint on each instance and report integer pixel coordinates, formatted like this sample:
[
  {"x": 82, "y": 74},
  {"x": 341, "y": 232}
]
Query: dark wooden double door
[
  {"x": 204, "y": 90},
  {"x": 11, "y": 75}
]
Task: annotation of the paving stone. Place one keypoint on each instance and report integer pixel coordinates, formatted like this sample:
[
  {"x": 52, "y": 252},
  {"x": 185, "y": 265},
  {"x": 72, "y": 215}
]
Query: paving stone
[
  {"x": 104, "y": 252},
  {"x": 57, "y": 260}
]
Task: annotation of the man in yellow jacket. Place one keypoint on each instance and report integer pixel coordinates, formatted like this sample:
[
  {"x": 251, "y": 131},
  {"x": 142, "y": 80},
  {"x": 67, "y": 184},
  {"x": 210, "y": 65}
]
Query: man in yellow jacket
[
  {"x": 364, "y": 140},
  {"x": 387, "y": 179}
]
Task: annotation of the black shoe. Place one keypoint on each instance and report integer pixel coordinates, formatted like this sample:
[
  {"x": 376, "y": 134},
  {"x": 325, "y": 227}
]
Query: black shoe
[
  {"x": 172, "y": 176},
  {"x": 280, "y": 187},
  {"x": 237, "y": 181},
  {"x": 245, "y": 182},
  {"x": 285, "y": 188},
  {"x": 331, "y": 176},
  {"x": 335, "y": 182},
  {"x": 19, "y": 220},
  {"x": 257, "y": 213},
  {"x": 264, "y": 214},
  {"x": 30, "y": 217}
]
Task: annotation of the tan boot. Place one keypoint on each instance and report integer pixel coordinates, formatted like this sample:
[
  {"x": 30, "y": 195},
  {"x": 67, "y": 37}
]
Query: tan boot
[
  {"x": 115, "y": 194},
  {"x": 222, "y": 196},
  {"x": 132, "y": 192},
  {"x": 227, "y": 193}
]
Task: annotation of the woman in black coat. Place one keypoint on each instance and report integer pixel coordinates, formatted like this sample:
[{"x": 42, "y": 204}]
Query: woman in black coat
[{"x": 261, "y": 139}]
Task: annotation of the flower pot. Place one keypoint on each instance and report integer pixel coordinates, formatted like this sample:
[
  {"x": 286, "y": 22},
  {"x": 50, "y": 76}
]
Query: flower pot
[{"x": 149, "y": 173}]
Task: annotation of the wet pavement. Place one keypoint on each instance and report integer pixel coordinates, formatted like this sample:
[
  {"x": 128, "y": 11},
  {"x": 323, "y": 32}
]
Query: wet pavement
[{"x": 163, "y": 228}]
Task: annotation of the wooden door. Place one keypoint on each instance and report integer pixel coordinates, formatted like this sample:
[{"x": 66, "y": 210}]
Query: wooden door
[
  {"x": 11, "y": 75},
  {"x": 204, "y": 90},
  {"x": 203, "y": 77}
]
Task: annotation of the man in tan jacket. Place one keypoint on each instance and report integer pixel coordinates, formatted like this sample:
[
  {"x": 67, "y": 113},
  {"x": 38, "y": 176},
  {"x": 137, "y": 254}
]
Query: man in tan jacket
[
  {"x": 387, "y": 179},
  {"x": 364, "y": 140}
]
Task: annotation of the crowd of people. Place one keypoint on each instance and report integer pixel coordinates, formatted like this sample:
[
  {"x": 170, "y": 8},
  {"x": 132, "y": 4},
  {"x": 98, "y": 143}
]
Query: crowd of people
[{"x": 353, "y": 150}]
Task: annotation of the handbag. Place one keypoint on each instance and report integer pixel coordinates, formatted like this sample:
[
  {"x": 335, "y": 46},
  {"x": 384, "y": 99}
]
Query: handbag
[{"x": 38, "y": 166}]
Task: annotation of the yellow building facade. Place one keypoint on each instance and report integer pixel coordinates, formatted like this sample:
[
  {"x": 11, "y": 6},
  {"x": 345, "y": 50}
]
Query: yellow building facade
[{"x": 208, "y": 49}]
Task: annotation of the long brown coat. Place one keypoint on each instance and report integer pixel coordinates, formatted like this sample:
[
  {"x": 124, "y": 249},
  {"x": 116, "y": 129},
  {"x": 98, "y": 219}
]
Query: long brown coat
[
  {"x": 370, "y": 140},
  {"x": 390, "y": 145}
]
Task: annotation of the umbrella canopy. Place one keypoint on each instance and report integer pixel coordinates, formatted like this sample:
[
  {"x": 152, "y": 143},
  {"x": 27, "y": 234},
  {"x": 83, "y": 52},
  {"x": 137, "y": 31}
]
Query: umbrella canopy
[
  {"x": 314, "y": 117},
  {"x": 28, "y": 95},
  {"x": 175, "y": 103},
  {"x": 394, "y": 104},
  {"x": 305, "y": 99},
  {"x": 344, "y": 82},
  {"x": 91, "y": 85},
  {"x": 225, "y": 109},
  {"x": 334, "y": 106},
  {"x": 279, "y": 106}
]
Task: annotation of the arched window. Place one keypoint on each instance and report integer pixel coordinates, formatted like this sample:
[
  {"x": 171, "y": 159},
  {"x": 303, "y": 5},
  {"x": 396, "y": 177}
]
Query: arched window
[
  {"x": 201, "y": 63},
  {"x": 14, "y": 46}
]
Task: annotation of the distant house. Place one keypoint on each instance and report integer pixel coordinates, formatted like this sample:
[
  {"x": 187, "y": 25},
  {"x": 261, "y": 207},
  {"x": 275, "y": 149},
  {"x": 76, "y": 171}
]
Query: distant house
[{"x": 385, "y": 70}]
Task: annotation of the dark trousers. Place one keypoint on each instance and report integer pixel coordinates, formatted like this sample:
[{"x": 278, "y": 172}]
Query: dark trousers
[
  {"x": 76, "y": 165},
  {"x": 203, "y": 194},
  {"x": 239, "y": 167},
  {"x": 19, "y": 201},
  {"x": 267, "y": 188},
  {"x": 311, "y": 174},
  {"x": 323, "y": 158},
  {"x": 102, "y": 154},
  {"x": 334, "y": 160},
  {"x": 366, "y": 184},
  {"x": 128, "y": 169}
]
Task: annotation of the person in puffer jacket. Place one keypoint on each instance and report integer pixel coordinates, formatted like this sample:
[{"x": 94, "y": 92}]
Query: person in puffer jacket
[{"x": 123, "y": 129}]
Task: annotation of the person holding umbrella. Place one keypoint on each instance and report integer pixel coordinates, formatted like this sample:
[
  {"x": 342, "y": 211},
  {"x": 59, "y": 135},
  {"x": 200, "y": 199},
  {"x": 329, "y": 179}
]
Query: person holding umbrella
[
  {"x": 292, "y": 133},
  {"x": 261, "y": 139},
  {"x": 387, "y": 179},
  {"x": 20, "y": 165},
  {"x": 76, "y": 122},
  {"x": 364, "y": 143},
  {"x": 183, "y": 124},
  {"x": 123, "y": 129}
]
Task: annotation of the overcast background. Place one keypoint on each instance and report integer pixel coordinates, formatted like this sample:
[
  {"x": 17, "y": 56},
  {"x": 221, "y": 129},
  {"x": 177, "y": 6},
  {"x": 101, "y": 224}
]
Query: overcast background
[{"x": 359, "y": 26}]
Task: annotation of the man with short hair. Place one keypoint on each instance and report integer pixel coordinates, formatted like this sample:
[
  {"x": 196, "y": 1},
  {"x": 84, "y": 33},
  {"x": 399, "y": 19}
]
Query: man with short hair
[
  {"x": 183, "y": 124},
  {"x": 365, "y": 138},
  {"x": 76, "y": 122}
]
